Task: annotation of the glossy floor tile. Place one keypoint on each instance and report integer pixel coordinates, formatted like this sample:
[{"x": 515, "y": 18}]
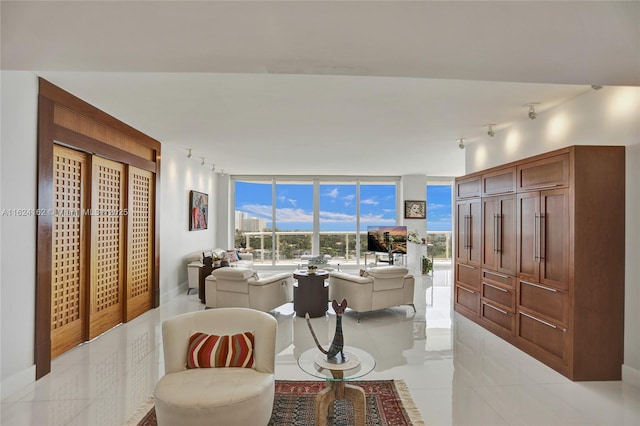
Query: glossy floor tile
[{"x": 457, "y": 372}]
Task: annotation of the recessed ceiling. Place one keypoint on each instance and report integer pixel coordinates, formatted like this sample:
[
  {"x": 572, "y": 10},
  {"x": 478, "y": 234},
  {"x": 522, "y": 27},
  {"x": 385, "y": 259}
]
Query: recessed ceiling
[{"x": 309, "y": 87}]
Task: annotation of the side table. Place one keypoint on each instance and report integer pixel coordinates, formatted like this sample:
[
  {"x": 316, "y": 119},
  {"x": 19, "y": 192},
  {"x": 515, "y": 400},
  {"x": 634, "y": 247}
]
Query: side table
[
  {"x": 336, "y": 376},
  {"x": 310, "y": 293}
]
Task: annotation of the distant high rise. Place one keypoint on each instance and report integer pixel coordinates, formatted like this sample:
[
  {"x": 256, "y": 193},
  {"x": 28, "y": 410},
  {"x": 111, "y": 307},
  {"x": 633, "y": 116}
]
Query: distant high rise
[{"x": 245, "y": 223}]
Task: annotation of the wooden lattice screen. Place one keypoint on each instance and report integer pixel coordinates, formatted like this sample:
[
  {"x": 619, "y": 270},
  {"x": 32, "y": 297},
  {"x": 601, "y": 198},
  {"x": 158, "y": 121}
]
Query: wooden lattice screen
[
  {"x": 107, "y": 245},
  {"x": 68, "y": 287},
  {"x": 139, "y": 248}
]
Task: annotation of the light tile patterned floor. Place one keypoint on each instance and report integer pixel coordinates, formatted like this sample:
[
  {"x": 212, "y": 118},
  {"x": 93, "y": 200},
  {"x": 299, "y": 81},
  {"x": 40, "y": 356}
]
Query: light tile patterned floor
[{"x": 457, "y": 372}]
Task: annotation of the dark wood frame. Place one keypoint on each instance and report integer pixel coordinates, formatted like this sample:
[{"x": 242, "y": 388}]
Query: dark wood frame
[
  {"x": 407, "y": 207},
  {"x": 49, "y": 133},
  {"x": 192, "y": 198}
]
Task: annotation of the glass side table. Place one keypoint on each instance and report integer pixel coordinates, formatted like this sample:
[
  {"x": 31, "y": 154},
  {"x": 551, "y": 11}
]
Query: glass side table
[{"x": 360, "y": 363}]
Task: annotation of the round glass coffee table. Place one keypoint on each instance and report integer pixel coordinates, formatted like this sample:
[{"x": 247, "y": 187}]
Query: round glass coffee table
[{"x": 360, "y": 363}]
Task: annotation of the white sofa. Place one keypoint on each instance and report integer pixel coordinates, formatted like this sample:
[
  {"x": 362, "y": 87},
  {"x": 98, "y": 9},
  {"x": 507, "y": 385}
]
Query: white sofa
[
  {"x": 195, "y": 259},
  {"x": 245, "y": 259},
  {"x": 224, "y": 396},
  {"x": 234, "y": 287},
  {"x": 381, "y": 287}
]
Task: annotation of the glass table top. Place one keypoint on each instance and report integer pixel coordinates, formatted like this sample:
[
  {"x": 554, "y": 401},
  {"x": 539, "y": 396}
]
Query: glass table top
[{"x": 308, "y": 362}]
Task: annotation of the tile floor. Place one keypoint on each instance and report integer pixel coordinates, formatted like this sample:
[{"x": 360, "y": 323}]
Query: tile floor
[{"x": 457, "y": 372}]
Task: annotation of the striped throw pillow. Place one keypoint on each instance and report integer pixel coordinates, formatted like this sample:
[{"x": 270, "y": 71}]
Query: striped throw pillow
[{"x": 211, "y": 351}]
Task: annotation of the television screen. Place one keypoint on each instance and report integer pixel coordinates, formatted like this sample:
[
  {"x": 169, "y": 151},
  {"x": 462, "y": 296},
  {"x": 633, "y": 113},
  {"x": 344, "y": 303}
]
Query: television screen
[{"x": 379, "y": 238}]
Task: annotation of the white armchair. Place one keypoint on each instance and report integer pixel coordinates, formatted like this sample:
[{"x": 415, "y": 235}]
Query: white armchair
[
  {"x": 234, "y": 287},
  {"x": 224, "y": 396},
  {"x": 381, "y": 287}
]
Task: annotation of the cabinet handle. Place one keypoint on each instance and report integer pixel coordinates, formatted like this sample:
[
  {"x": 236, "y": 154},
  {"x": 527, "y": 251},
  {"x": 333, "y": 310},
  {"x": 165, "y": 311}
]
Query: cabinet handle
[
  {"x": 469, "y": 231},
  {"x": 496, "y": 287},
  {"x": 535, "y": 237},
  {"x": 552, "y": 185},
  {"x": 499, "y": 232},
  {"x": 466, "y": 266},
  {"x": 493, "y": 307},
  {"x": 539, "y": 286},
  {"x": 467, "y": 290},
  {"x": 497, "y": 275},
  {"x": 466, "y": 231},
  {"x": 543, "y": 238},
  {"x": 495, "y": 233},
  {"x": 564, "y": 330}
]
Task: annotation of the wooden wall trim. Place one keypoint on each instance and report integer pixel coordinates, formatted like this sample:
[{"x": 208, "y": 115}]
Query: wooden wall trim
[
  {"x": 68, "y": 137},
  {"x": 48, "y": 97},
  {"x": 62, "y": 97}
]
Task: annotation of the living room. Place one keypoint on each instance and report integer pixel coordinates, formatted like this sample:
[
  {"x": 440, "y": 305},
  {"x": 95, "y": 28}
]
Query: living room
[{"x": 607, "y": 116}]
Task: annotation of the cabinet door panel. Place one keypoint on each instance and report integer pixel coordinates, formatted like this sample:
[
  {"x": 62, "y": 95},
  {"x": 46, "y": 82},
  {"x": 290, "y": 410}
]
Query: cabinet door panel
[
  {"x": 489, "y": 233},
  {"x": 545, "y": 173},
  {"x": 499, "y": 182},
  {"x": 462, "y": 221},
  {"x": 528, "y": 236},
  {"x": 543, "y": 334},
  {"x": 549, "y": 302},
  {"x": 468, "y": 188},
  {"x": 469, "y": 299},
  {"x": 468, "y": 275},
  {"x": 506, "y": 235},
  {"x": 554, "y": 254},
  {"x": 497, "y": 316},
  {"x": 475, "y": 231}
]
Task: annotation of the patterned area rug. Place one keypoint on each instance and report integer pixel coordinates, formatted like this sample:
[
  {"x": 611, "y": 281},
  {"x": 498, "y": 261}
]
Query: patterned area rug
[{"x": 388, "y": 403}]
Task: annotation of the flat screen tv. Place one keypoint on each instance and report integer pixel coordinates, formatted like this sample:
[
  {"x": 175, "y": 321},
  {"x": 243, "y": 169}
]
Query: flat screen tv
[{"x": 379, "y": 238}]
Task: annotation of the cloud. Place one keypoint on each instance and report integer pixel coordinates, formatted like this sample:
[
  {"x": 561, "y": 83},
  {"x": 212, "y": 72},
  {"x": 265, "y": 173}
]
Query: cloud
[
  {"x": 369, "y": 201},
  {"x": 435, "y": 206},
  {"x": 300, "y": 215},
  {"x": 332, "y": 193},
  {"x": 293, "y": 202}
]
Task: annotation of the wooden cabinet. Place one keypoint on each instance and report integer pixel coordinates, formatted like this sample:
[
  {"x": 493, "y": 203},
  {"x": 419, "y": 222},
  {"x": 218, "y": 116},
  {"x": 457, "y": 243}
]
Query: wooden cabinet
[
  {"x": 468, "y": 187},
  {"x": 501, "y": 181},
  {"x": 551, "y": 274},
  {"x": 498, "y": 234},
  {"x": 543, "y": 237}
]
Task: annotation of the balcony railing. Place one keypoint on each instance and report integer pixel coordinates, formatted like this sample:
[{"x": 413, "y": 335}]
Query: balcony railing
[{"x": 343, "y": 247}]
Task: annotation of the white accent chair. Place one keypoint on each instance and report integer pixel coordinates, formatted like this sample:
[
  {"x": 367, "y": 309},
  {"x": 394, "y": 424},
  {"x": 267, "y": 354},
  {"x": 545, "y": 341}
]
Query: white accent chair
[
  {"x": 235, "y": 287},
  {"x": 223, "y": 396},
  {"x": 382, "y": 287}
]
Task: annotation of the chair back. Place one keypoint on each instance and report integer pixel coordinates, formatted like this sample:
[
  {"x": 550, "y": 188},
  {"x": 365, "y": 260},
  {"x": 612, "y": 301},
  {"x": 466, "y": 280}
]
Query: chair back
[{"x": 222, "y": 321}]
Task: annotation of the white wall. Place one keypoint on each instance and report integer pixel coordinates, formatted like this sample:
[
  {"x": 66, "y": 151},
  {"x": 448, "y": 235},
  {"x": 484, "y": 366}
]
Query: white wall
[
  {"x": 610, "y": 116},
  {"x": 18, "y": 174},
  {"x": 18, "y": 242},
  {"x": 414, "y": 187},
  {"x": 179, "y": 175}
]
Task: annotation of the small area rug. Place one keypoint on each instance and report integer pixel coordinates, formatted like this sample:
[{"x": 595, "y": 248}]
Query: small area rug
[{"x": 388, "y": 403}]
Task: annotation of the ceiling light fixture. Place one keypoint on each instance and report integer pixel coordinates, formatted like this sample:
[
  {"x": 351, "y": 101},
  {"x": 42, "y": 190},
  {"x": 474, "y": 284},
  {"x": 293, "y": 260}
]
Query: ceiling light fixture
[
  {"x": 460, "y": 143},
  {"x": 490, "y": 132},
  {"x": 596, "y": 87},
  {"x": 202, "y": 162},
  {"x": 213, "y": 167},
  {"x": 189, "y": 153},
  {"x": 532, "y": 109}
]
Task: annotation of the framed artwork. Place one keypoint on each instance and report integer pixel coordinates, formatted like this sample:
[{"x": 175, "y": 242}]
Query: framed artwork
[
  {"x": 414, "y": 209},
  {"x": 198, "y": 210}
]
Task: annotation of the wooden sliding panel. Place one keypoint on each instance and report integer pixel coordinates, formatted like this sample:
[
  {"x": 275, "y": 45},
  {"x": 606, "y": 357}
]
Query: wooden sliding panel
[
  {"x": 140, "y": 215},
  {"x": 107, "y": 246},
  {"x": 69, "y": 251}
]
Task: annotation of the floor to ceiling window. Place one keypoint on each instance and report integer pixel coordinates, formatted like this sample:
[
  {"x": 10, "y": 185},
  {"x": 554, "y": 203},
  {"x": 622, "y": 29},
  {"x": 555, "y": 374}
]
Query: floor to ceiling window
[
  {"x": 290, "y": 220},
  {"x": 439, "y": 219}
]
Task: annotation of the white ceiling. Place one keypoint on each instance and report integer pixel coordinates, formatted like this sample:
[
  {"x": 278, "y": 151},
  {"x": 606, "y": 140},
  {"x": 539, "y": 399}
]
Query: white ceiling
[{"x": 368, "y": 87}]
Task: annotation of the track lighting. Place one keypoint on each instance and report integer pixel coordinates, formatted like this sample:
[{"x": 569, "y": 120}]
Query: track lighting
[
  {"x": 189, "y": 153},
  {"x": 202, "y": 162},
  {"x": 596, "y": 87},
  {"x": 213, "y": 167},
  {"x": 532, "y": 110},
  {"x": 460, "y": 143},
  {"x": 490, "y": 132}
]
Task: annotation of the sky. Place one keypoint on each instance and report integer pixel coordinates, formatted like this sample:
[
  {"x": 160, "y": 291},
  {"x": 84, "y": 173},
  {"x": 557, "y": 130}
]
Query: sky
[{"x": 294, "y": 205}]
